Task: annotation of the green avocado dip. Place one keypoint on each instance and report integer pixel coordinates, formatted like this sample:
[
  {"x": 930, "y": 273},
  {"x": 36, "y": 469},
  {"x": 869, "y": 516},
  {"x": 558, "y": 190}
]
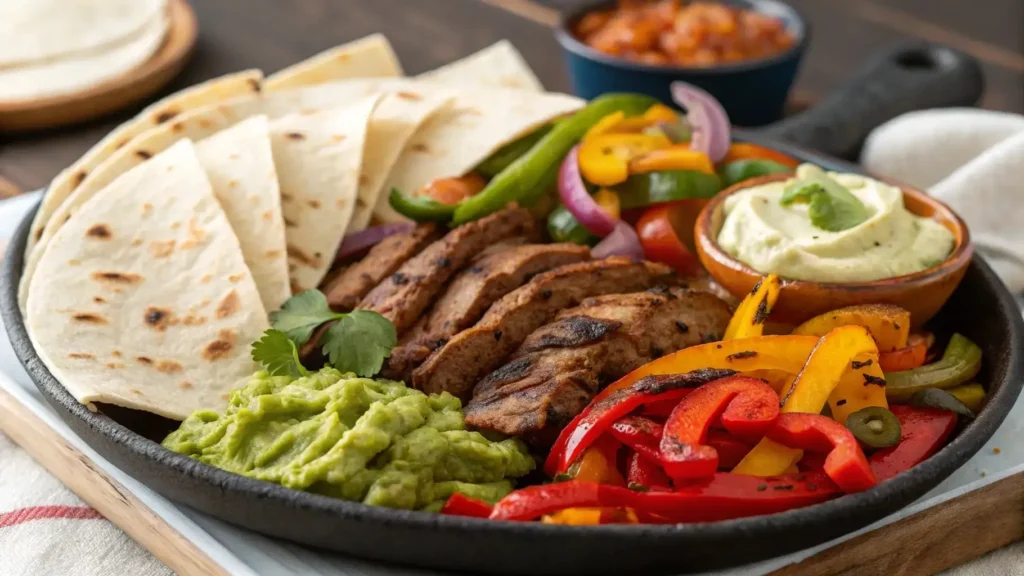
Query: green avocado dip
[{"x": 360, "y": 439}]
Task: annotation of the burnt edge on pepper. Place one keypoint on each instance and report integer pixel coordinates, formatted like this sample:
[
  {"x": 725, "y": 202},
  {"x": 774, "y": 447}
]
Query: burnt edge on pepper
[
  {"x": 869, "y": 379},
  {"x": 741, "y": 355},
  {"x": 756, "y": 287},
  {"x": 762, "y": 311},
  {"x": 654, "y": 385},
  {"x": 858, "y": 365}
]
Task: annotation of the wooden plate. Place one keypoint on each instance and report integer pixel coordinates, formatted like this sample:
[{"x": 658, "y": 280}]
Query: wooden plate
[{"x": 115, "y": 93}]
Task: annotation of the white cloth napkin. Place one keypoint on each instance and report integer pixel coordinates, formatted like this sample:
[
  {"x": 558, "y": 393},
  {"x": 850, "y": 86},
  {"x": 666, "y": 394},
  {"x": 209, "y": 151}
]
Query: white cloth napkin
[{"x": 973, "y": 160}]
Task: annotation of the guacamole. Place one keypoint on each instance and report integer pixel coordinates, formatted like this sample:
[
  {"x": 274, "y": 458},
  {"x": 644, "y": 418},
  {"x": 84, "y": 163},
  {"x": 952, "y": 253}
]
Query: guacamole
[
  {"x": 887, "y": 240},
  {"x": 371, "y": 441}
]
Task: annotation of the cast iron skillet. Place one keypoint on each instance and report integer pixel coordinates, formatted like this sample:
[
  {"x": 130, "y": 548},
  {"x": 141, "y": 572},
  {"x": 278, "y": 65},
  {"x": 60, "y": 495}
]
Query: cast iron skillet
[{"x": 981, "y": 308}]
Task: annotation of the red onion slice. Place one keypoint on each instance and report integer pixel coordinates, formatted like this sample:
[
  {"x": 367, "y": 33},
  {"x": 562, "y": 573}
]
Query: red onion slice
[
  {"x": 359, "y": 242},
  {"x": 577, "y": 200},
  {"x": 622, "y": 241},
  {"x": 707, "y": 118}
]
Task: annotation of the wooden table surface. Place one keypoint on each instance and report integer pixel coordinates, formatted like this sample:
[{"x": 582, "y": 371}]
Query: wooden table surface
[{"x": 270, "y": 34}]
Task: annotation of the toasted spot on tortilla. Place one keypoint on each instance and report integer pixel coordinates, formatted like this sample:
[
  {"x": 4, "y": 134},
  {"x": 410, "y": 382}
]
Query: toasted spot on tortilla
[
  {"x": 115, "y": 354},
  {"x": 233, "y": 156},
  {"x": 135, "y": 391},
  {"x": 39, "y": 234},
  {"x": 191, "y": 320},
  {"x": 136, "y": 241},
  {"x": 314, "y": 204},
  {"x": 177, "y": 127},
  {"x": 228, "y": 305},
  {"x": 143, "y": 154},
  {"x": 297, "y": 136},
  {"x": 114, "y": 365},
  {"x": 255, "y": 85},
  {"x": 89, "y": 318},
  {"x": 74, "y": 262},
  {"x": 273, "y": 253},
  {"x": 166, "y": 115},
  {"x": 169, "y": 366},
  {"x": 163, "y": 249},
  {"x": 220, "y": 347},
  {"x": 359, "y": 202},
  {"x": 185, "y": 385},
  {"x": 205, "y": 278},
  {"x": 144, "y": 360},
  {"x": 364, "y": 179},
  {"x": 235, "y": 278},
  {"x": 268, "y": 215},
  {"x": 288, "y": 223},
  {"x": 233, "y": 183},
  {"x": 81, "y": 356},
  {"x": 175, "y": 225},
  {"x": 196, "y": 235},
  {"x": 409, "y": 96},
  {"x": 420, "y": 148},
  {"x": 80, "y": 176},
  {"x": 204, "y": 302},
  {"x": 99, "y": 231},
  {"x": 337, "y": 138},
  {"x": 146, "y": 209},
  {"x": 117, "y": 277},
  {"x": 98, "y": 300},
  {"x": 204, "y": 123},
  {"x": 285, "y": 197},
  {"x": 469, "y": 112},
  {"x": 159, "y": 318},
  {"x": 299, "y": 255}
]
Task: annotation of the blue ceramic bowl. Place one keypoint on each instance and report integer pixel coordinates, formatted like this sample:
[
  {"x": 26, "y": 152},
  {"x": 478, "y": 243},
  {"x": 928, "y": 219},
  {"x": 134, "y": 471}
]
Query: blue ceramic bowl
[{"x": 753, "y": 92}]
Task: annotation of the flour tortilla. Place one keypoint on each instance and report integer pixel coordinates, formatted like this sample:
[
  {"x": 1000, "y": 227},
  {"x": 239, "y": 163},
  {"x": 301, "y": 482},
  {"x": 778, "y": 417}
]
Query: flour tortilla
[
  {"x": 367, "y": 57},
  {"x": 144, "y": 300},
  {"x": 499, "y": 65},
  {"x": 391, "y": 125},
  {"x": 79, "y": 72},
  {"x": 240, "y": 166},
  {"x": 224, "y": 87},
  {"x": 37, "y": 31},
  {"x": 318, "y": 157},
  {"x": 455, "y": 140}
]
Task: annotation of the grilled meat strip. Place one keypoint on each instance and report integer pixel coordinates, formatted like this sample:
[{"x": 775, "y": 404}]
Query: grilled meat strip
[
  {"x": 471, "y": 293},
  {"x": 561, "y": 366},
  {"x": 345, "y": 292},
  {"x": 474, "y": 352},
  {"x": 403, "y": 296}
]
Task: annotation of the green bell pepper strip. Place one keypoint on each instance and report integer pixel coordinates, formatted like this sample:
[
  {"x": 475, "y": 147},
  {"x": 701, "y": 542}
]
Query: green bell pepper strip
[
  {"x": 564, "y": 227},
  {"x": 642, "y": 190},
  {"x": 741, "y": 170},
  {"x": 959, "y": 364},
  {"x": 420, "y": 208},
  {"x": 537, "y": 170},
  {"x": 511, "y": 152}
]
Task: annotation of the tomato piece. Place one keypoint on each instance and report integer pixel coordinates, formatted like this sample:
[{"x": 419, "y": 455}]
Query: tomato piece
[{"x": 660, "y": 241}]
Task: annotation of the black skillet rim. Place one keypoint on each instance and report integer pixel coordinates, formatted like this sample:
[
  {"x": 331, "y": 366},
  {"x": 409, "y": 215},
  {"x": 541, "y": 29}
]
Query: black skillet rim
[{"x": 905, "y": 487}]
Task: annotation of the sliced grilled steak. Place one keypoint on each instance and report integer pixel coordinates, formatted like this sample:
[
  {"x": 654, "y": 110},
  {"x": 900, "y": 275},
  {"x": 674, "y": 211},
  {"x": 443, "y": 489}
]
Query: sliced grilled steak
[
  {"x": 404, "y": 295},
  {"x": 474, "y": 352},
  {"x": 470, "y": 294},
  {"x": 345, "y": 292},
  {"x": 562, "y": 365}
]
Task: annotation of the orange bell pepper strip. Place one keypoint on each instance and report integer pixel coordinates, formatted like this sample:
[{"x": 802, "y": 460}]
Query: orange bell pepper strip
[
  {"x": 909, "y": 357},
  {"x": 604, "y": 159},
  {"x": 889, "y": 325},
  {"x": 591, "y": 517},
  {"x": 599, "y": 463},
  {"x": 609, "y": 202},
  {"x": 830, "y": 359},
  {"x": 672, "y": 158},
  {"x": 617, "y": 123},
  {"x": 748, "y": 319},
  {"x": 748, "y": 151}
]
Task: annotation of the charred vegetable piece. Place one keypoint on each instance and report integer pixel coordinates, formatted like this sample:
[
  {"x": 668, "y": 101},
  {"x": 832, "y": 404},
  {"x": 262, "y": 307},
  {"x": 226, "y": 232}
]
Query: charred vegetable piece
[
  {"x": 875, "y": 427},
  {"x": 750, "y": 315},
  {"x": 972, "y": 395},
  {"x": 845, "y": 464},
  {"x": 537, "y": 170},
  {"x": 420, "y": 208},
  {"x": 641, "y": 190},
  {"x": 861, "y": 386},
  {"x": 741, "y": 170},
  {"x": 924, "y": 431},
  {"x": 959, "y": 364},
  {"x": 889, "y": 325},
  {"x": 935, "y": 398},
  {"x": 511, "y": 152}
]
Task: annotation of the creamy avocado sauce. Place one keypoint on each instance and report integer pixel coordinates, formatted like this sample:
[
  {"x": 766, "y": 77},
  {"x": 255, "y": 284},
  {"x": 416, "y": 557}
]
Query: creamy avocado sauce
[
  {"x": 770, "y": 237},
  {"x": 372, "y": 441}
]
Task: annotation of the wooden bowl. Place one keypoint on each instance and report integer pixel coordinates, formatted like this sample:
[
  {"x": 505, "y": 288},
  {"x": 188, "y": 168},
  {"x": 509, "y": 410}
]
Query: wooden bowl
[{"x": 922, "y": 293}]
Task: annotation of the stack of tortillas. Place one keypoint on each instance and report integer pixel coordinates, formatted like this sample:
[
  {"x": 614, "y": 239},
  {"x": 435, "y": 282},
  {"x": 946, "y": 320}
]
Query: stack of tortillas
[
  {"x": 52, "y": 48},
  {"x": 153, "y": 260}
]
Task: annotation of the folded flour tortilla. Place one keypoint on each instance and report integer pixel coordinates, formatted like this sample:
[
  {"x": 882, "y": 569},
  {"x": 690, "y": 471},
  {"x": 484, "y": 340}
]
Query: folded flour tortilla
[
  {"x": 240, "y": 166},
  {"x": 318, "y": 158},
  {"x": 143, "y": 300},
  {"x": 367, "y": 57},
  {"x": 499, "y": 65}
]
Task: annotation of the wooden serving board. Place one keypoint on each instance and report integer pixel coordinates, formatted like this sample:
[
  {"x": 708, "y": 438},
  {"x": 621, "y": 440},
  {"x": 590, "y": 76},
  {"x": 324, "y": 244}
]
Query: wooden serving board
[{"x": 116, "y": 93}]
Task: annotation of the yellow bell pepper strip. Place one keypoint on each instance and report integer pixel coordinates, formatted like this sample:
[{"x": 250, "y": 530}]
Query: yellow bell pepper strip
[
  {"x": 617, "y": 123},
  {"x": 609, "y": 202},
  {"x": 604, "y": 159},
  {"x": 972, "y": 395},
  {"x": 960, "y": 363},
  {"x": 830, "y": 359},
  {"x": 748, "y": 320},
  {"x": 889, "y": 325},
  {"x": 676, "y": 157},
  {"x": 604, "y": 125},
  {"x": 660, "y": 113},
  {"x": 859, "y": 388}
]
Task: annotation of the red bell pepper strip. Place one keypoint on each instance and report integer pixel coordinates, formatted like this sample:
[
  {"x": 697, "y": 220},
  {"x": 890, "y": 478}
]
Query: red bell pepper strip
[
  {"x": 747, "y": 408},
  {"x": 721, "y": 497},
  {"x": 641, "y": 472},
  {"x": 924, "y": 431},
  {"x": 459, "y": 505},
  {"x": 812, "y": 461},
  {"x": 633, "y": 430},
  {"x": 731, "y": 450},
  {"x": 599, "y": 416},
  {"x": 659, "y": 410},
  {"x": 660, "y": 241},
  {"x": 845, "y": 464}
]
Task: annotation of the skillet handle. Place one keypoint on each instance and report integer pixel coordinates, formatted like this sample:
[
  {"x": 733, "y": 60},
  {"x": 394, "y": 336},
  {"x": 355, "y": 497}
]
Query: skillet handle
[{"x": 912, "y": 77}]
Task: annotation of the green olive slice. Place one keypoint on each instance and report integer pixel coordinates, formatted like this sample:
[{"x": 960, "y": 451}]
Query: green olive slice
[
  {"x": 936, "y": 398},
  {"x": 875, "y": 427}
]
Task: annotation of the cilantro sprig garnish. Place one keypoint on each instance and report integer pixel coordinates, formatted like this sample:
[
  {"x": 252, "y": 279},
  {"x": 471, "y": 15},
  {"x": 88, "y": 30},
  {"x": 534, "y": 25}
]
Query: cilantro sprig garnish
[
  {"x": 831, "y": 207},
  {"x": 357, "y": 341}
]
